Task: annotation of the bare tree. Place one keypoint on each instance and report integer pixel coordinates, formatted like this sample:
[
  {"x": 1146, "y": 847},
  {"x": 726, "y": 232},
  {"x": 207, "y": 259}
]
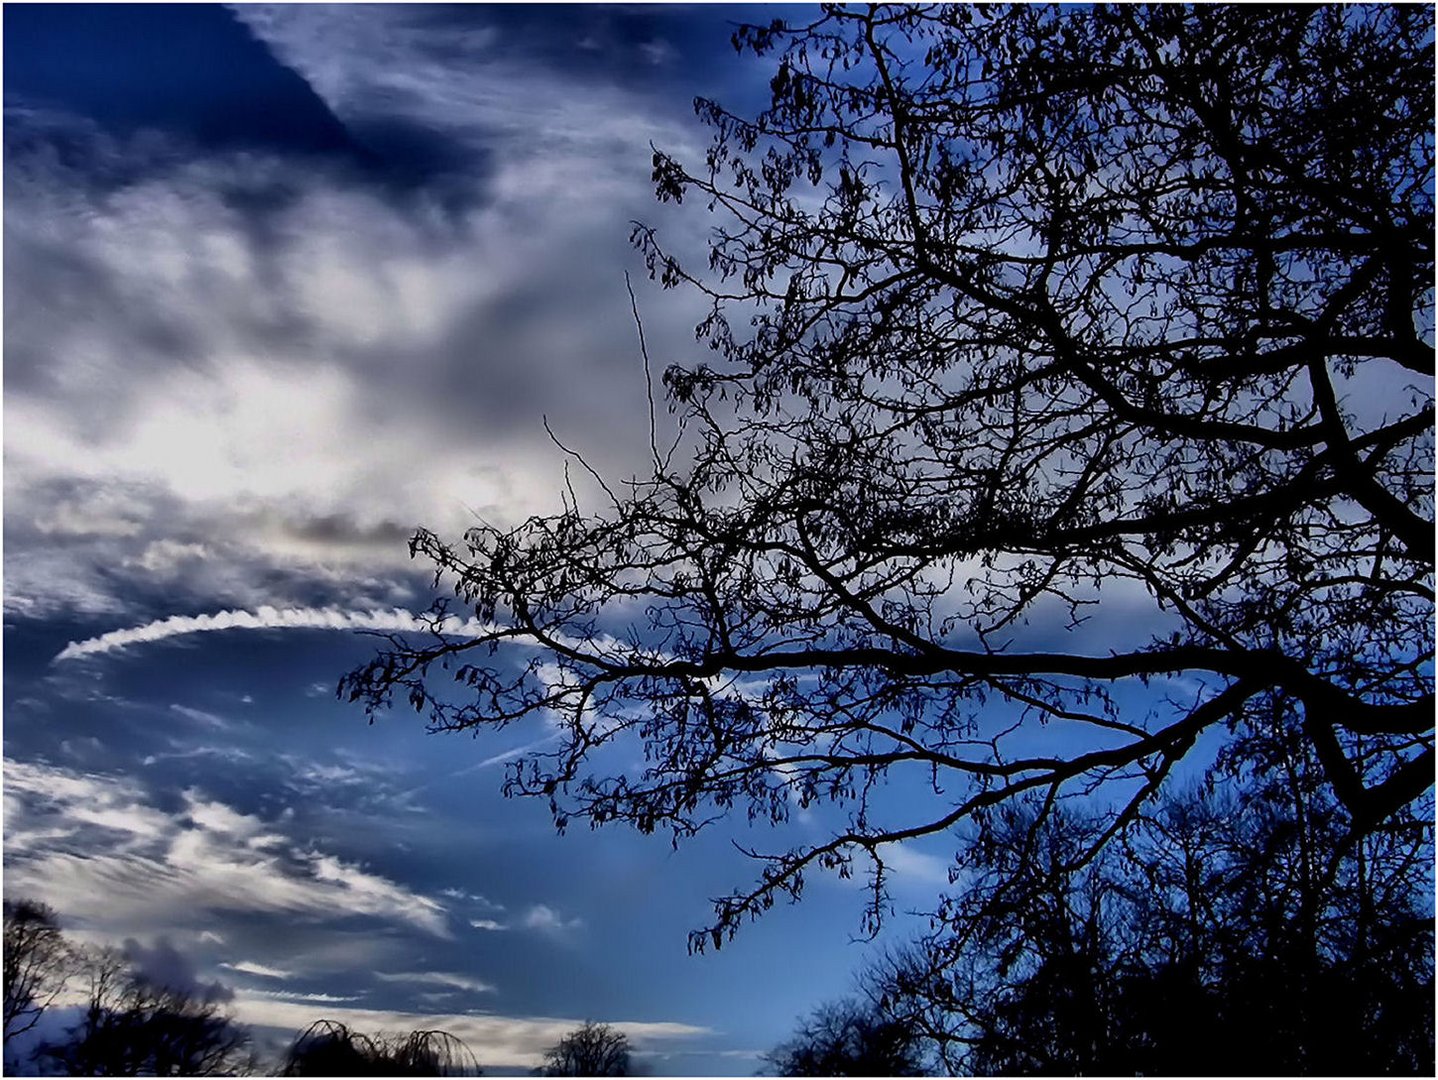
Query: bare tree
[
  {"x": 135, "y": 1027},
  {"x": 1230, "y": 932},
  {"x": 590, "y": 1050},
  {"x": 1084, "y": 410},
  {"x": 38, "y": 963},
  {"x": 851, "y": 1038}
]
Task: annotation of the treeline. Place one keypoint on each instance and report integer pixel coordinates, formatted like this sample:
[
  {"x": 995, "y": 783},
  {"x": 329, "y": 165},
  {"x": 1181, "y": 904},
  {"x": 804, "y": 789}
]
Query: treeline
[
  {"x": 132, "y": 1021},
  {"x": 1234, "y": 930}
]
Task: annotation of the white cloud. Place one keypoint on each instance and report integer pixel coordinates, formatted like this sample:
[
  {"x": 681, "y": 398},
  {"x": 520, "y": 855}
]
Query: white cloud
[
  {"x": 96, "y": 848},
  {"x": 200, "y": 716},
  {"x": 233, "y": 755},
  {"x": 437, "y": 978},
  {"x": 547, "y": 920},
  {"x": 291, "y": 995},
  {"x": 163, "y": 557},
  {"x": 500, "y": 1041},
  {"x": 487, "y": 924},
  {"x": 505, "y": 756},
  {"x": 190, "y": 383},
  {"x": 250, "y": 967},
  {"x": 269, "y": 618},
  {"x": 372, "y": 893},
  {"x": 335, "y": 775},
  {"x": 46, "y": 805},
  {"x": 915, "y": 867}
]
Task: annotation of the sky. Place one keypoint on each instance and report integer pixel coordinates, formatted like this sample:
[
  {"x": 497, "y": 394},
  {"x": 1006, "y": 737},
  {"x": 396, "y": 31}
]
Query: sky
[{"x": 282, "y": 284}]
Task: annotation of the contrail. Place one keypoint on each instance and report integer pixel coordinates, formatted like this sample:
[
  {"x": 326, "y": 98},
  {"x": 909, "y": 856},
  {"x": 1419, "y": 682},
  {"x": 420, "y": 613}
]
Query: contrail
[{"x": 271, "y": 618}]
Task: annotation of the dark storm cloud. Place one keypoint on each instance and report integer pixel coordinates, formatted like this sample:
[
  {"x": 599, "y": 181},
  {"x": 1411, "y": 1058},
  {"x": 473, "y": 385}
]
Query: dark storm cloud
[{"x": 342, "y": 529}]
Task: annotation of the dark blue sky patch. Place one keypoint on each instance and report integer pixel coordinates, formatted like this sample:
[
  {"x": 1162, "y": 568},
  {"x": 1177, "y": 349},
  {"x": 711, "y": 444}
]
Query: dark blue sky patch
[
  {"x": 192, "y": 69},
  {"x": 197, "y": 76}
]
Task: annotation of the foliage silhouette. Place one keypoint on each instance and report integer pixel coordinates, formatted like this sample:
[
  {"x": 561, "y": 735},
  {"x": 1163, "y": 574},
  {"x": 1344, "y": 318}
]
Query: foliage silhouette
[
  {"x": 1112, "y": 314},
  {"x": 1225, "y": 934},
  {"x": 330, "y": 1048},
  {"x": 38, "y": 963},
  {"x": 850, "y": 1039},
  {"x": 590, "y": 1050}
]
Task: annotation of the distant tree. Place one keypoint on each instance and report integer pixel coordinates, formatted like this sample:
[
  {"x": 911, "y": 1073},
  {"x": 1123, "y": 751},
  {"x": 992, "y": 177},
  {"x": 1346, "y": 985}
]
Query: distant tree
[
  {"x": 134, "y": 1027},
  {"x": 850, "y": 1038},
  {"x": 1022, "y": 315},
  {"x": 330, "y": 1048},
  {"x": 38, "y": 963},
  {"x": 1224, "y": 934},
  {"x": 590, "y": 1050}
]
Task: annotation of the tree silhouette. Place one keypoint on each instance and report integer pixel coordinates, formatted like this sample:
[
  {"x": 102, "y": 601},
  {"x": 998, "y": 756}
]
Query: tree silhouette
[
  {"x": 590, "y": 1050},
  {"x": 1084, "y": 410},
  {"x": 850, "y": 1038},
  {"x": 38, "y": 963},
  {"x": 1227, "y": 933},
  {"x": 330, "y": 1048},
  {"x": 135, "y": 1027}
]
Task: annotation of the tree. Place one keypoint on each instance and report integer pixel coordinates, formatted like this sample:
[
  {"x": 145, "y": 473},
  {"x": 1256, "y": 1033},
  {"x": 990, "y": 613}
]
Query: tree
[
  {"x": 590, "y": 1050},
  {"x": 135, "y": 1027},
  {"x": 1085, "y": 412},
  {"x": 1230, "y": 932},
  {"x": 38, "y": 964},
  {"x": 850, "y": 1038},
  {"x": 330, "y": 1048}
]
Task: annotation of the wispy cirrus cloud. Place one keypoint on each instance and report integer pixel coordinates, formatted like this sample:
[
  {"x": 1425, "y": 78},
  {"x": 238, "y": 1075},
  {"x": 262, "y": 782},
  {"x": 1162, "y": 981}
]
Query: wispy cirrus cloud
[
  {"x": 270, "y": 618},
  {"x": 291, "y": 995},
  {"x": 437, "y": 978},
  {"x": 101, "y": 849},
  {"x": 250, "y": 967}
]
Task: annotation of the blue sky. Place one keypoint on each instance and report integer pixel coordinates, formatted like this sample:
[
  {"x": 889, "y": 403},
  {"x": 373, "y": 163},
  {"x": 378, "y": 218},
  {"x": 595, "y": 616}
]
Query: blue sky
[{"x": 282, "y": 284}]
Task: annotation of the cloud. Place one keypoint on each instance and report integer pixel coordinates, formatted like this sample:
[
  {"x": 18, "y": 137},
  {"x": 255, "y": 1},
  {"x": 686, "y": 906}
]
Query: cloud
[
  {"x": 200, "y": 716},
  {"x": 334, "y": 775},
  {"x": 455, "y": 893},
  {"x": 291, "y": 995},
  {"x": 437, "y": 978},
  {"x": 98, "y": 849},
  {"x": 546, "y": 920},
  {"x": 487, "y": 924},
  {"x": 249, "y": 967},
  {"x": 164, "y": 966},
  {"x": 500, "y": 1041},
  {"x": 505, "y": 756},
  {"x": 917, "y": 868},
  {"x": 232, "y": 755},
  {"x": 270, "y": 618},
  {"x": 241, "y": 379}
]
